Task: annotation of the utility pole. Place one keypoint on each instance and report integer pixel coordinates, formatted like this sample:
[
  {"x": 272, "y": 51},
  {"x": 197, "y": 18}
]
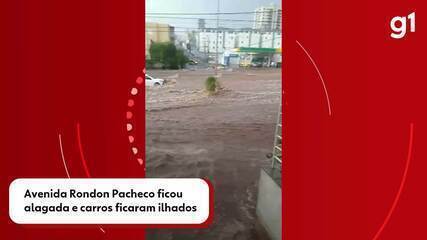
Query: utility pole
[{"x": 217, "y": 38}]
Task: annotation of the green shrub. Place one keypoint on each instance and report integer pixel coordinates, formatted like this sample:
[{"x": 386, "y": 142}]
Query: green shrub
[
  {"x": 167, "y": 55},
  {"x": 211, "y": 85}
]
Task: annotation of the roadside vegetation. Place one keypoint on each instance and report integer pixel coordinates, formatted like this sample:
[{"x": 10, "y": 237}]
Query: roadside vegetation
[
  {"x": 212, "y": 85},
  {"x": 166, "y": 56}
]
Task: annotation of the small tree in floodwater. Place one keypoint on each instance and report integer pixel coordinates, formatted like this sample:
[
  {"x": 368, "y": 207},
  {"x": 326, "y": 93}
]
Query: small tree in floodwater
[{"x": 211, "y": 85}]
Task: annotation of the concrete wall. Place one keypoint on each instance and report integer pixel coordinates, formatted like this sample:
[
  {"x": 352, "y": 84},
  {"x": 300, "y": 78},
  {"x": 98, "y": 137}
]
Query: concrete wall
[{"x": 269, "y": 204}]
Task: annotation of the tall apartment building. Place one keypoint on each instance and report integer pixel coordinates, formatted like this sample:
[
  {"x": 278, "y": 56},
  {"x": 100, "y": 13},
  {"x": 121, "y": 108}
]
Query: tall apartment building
[{"x": 268, "y": 18}]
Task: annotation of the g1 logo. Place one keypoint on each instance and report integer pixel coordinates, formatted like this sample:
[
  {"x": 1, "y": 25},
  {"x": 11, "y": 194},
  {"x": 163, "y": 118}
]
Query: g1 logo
[{"x": 398, "y": 25}]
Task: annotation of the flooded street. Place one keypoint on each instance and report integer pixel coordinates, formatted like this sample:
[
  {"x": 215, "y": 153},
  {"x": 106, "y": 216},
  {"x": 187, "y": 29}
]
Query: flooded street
[{"x": 223, "y": 137}]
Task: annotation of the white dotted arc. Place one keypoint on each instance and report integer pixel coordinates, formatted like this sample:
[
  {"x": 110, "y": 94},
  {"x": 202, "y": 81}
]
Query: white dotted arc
[{"x": 129, "y": 119}]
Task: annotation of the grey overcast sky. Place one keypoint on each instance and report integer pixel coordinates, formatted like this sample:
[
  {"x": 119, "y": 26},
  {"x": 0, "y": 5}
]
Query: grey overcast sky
[{"x": 204, "y": 6}]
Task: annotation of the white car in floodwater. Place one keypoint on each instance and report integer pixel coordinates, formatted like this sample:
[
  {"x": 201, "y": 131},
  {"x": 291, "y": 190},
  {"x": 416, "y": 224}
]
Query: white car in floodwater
[{"x": 151, "y": 81}]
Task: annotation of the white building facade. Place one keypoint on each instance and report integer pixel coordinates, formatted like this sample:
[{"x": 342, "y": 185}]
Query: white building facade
[
  {"x": 229, "y": 39},
  {"x": 268, "y": 18}
]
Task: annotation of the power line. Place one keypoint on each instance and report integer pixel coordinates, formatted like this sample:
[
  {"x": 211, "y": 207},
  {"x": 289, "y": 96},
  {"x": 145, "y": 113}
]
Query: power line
[
  {"x": 231, "y": 28},
  {"x": 213, "y": 32},
  {"x": 212, "y": 19},
  {"x": 225, "y": 28},
  {"x": 206, "y": 28},
  {"x": 222, "y": 29},
  {"x": 211, "y": 13}
]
